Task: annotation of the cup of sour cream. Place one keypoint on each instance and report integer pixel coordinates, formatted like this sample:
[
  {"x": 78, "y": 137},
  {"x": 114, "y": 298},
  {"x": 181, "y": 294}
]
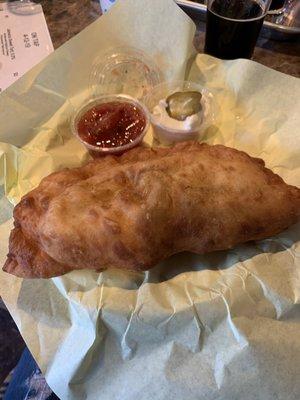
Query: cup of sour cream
[{"x": 179, "y": 111}]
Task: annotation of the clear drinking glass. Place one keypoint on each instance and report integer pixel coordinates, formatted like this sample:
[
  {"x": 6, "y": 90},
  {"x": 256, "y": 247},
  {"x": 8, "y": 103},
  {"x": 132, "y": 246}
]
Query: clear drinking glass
[
  {"x": 24, "y": 7},
  {"x": 106, "y": 5},
  {"x": 233, "y": 26}
]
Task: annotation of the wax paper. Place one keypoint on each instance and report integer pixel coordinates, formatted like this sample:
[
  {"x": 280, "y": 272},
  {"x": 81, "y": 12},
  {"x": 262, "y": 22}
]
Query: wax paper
[{"x": 218, "y": 326}]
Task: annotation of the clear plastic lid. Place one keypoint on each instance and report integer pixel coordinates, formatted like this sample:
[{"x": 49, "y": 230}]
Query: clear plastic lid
[{"x": 124, "y": 70}]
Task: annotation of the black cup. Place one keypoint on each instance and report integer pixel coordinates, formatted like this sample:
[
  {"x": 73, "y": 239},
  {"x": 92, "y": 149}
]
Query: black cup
[{"x": 233, "y": 26}]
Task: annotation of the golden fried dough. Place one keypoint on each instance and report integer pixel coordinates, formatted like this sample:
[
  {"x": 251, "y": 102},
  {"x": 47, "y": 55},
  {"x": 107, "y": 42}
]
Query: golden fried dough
[{"x": 133, "y": 211}]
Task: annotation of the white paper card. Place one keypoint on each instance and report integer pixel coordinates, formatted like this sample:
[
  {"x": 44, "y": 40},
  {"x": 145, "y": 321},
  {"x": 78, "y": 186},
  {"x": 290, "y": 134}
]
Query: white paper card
[{"x": 24, "y": 42}]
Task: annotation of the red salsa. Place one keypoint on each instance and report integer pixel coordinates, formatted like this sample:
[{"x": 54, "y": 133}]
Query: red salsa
[{"x": 111, "y": 124}]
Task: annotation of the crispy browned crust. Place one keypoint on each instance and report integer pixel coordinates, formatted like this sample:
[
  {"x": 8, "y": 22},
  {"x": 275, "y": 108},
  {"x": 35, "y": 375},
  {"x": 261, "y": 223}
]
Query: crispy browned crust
[{"x": 133, "y": 211}]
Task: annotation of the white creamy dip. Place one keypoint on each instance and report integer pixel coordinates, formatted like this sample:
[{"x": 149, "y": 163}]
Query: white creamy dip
[{"x": 160, "y": 116}]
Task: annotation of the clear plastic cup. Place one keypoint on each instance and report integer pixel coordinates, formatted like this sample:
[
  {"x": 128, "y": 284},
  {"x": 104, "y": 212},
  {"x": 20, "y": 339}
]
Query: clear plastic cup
[
  {"x": 167, "y": 135},
  {"x": 97, "y": 151},
  {"x": 124, "y": 70}
]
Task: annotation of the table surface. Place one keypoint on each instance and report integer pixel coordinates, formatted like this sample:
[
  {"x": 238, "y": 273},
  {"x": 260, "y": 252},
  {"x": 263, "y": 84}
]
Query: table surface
[{"x": 66, "y": 18}]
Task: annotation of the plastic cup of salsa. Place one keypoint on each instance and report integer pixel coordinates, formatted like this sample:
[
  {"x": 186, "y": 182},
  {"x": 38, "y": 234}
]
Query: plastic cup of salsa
[{"x": 111, "y": 124}]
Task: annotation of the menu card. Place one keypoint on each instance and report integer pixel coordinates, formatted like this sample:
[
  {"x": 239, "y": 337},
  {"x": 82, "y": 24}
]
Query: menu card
[{"x": 24, "y": 41}]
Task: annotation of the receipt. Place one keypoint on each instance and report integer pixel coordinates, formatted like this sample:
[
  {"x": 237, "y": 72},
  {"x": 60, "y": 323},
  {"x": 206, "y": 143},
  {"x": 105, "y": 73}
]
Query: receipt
[{"x": 24, "y": 41}]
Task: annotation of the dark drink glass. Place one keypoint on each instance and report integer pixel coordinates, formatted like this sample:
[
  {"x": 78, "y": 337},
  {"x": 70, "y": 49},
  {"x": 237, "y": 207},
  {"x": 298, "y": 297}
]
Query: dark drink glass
[
  {"x": 277, "y": 7},
  {"x": 233, "y": 26},
  {"x": 277, "y": 4}
]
